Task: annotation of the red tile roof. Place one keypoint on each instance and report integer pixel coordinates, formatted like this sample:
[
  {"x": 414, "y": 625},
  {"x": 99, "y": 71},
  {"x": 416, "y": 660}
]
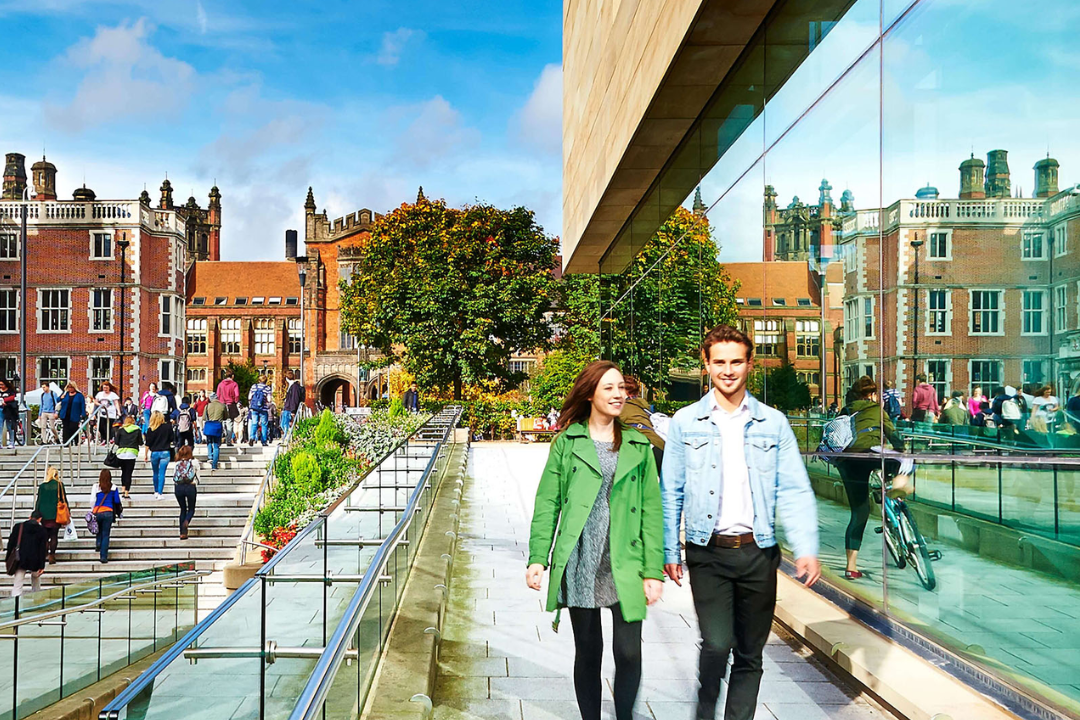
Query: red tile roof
[{"x": 243, "y": 279}]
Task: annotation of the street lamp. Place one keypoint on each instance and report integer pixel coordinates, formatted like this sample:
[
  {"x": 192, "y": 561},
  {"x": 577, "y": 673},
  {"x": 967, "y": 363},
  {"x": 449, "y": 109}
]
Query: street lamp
[
  {"x": 916, "y": 243},
  {"x": 301, "y": 271},
  {"x": 24, "y": 211},
  {"x": 122, "y": 242}
]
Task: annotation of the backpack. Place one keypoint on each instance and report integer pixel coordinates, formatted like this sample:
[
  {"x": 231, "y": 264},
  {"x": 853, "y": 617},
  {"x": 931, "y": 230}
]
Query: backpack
[
  {"x": 258, "y": 398},
  {"x": 185, "y": 473},
  {"x": 837, "y": 436},
  {"x": 160, "y": 404},
  {"x": 892, "y": 407},
  {"x": 1010, "y": 409},
  {"x": 183, "y": 422}
]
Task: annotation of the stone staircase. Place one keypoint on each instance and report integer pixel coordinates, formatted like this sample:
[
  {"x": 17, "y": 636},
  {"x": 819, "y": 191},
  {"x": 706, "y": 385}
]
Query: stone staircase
[{"x": 148, "y": 535}]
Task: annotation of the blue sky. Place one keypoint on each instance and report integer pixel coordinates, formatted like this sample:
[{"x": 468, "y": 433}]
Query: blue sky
[{"x": 364, "y": 101}]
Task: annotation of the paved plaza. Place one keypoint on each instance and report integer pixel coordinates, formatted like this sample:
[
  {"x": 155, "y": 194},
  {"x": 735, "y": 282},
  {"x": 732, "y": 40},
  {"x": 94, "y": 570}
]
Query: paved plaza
[{"x": 501, "y": 659}]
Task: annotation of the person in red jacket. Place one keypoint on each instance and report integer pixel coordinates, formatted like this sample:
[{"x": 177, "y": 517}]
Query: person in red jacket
[{"x": 924, "y": 402}]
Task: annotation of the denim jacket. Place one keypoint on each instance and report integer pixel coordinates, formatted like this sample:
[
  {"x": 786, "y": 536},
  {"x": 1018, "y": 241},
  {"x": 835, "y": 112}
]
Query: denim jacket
[{"x": 690, "y": 481}]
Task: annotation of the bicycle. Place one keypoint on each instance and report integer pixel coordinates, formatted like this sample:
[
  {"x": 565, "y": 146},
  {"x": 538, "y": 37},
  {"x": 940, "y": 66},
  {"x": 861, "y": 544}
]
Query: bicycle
[
  {"x": 902, "y": 537},
  {"x": 48, "y": 433}
]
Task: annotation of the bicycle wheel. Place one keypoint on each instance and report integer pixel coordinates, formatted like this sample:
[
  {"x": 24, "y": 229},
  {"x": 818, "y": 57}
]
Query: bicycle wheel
[
  {"x": 894, "y": 541},
  {"x": 917, "y": 551}
]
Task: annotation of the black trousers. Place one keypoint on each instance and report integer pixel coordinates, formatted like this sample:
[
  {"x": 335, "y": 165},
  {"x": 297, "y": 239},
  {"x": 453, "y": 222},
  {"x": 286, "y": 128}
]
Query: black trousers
[
  {"x": 589, "y": 652},
  {"x": 127, "y": 469},
  {"x": 855, "y": 474},
  {"x": 70, "y": 427},
  {"x": 735, "y": 597},
  {"x": 185, "y": 497}
]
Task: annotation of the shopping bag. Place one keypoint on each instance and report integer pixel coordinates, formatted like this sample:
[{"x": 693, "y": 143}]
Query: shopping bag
[
  {"x": 91, "y": 523},
  {"x": 69, "y": 531}
]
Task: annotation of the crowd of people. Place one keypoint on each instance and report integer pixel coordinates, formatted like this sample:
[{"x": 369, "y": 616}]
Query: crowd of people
[{"x": 159, "y": 430}]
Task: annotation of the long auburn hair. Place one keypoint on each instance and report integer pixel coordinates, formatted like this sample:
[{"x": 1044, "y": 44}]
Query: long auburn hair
[{"x": 577, "y": 406}]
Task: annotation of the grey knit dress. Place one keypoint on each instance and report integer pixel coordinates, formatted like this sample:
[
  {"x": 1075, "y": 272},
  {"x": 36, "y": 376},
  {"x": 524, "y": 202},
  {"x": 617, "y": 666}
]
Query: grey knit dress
[{"x": 587, "y": 580}]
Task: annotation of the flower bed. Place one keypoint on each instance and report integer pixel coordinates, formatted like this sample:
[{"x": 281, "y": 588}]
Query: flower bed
[{"x": 329, "y": 454}]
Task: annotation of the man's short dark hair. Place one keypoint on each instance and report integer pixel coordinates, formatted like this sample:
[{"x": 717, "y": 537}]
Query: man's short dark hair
[
  {"x": 726, "y": 333},
  {"x": 36, "y": 515},
  {"x": 921, "y": 377}
]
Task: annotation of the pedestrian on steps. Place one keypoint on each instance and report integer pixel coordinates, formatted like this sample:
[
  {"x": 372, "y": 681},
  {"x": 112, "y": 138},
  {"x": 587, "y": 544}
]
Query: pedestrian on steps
[
  {"x": 184, "y": 420},
  {"x": 108, "y": 411},
  {"x": 600, "y": 489},
  {"x": 107, "y": 509},
  {"x": 128, "y": 441},
  {"x": 49, "y": 495},
  {"x": 185, "y": 486},
  {"x": 72, "y": 411},
  {"x": 28, "y": 540},
  {"x": 145, "y": 403},
  {"x": 214, "y": 418},
  {"x": 228, "y": 393},
  {"x": 9, "y": 401},
  {"x": 160, "y": 448}
]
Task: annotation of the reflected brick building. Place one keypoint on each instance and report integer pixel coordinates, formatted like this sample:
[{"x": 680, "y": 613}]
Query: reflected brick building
[{"x": 981, "y": 290}]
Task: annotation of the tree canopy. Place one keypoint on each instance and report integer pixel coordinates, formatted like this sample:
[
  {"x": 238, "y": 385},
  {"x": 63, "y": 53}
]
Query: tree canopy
[
  {"x": 452, "y": 293},
  {"x": 657, "y": 311}
]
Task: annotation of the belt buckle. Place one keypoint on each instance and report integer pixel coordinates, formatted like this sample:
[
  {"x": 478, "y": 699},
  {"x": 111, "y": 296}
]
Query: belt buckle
[{"x": 738, "y": 542}]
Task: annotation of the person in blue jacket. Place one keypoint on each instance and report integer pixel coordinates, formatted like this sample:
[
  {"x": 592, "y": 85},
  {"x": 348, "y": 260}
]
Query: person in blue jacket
[{"x": 72, "y": 410}]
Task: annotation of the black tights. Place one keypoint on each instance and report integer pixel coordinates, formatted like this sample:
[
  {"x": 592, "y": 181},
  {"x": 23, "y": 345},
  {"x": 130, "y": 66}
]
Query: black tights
[
  {"x": 855, "y": 474},
  {"x": 589, "y": 652}
]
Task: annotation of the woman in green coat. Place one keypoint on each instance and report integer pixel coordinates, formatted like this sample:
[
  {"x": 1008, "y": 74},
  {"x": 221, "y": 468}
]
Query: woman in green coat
[
  {"x": 49, "y": 495},
  {"x": 598, "y": 503}
]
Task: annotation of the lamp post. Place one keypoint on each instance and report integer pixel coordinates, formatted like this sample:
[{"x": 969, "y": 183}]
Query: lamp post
[
  {"x": 916, "y": 244},
  {"x": 122, "y": 242},
  {"x": 301, "y": 271},
  {"x": 24, "y": 210}
]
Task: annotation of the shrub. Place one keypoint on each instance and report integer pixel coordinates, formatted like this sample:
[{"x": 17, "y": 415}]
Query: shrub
[{"x": 397, "y": 408}]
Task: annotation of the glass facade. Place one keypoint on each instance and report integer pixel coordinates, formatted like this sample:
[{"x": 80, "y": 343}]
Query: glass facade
[{"x": 881, "y": 197}]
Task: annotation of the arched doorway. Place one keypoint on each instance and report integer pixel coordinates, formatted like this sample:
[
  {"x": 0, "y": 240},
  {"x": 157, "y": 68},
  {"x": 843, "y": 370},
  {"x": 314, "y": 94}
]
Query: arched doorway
[{"x": 335, "y": 392}]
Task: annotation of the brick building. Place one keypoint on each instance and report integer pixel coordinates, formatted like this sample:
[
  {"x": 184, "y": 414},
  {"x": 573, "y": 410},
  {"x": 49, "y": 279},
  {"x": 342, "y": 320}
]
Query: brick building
[
  {"x": 239, "y": 311},
  {"x": 105, "y": 285},
  {"x": 981, "y": 290},
  {"x": 333, "y": 373},
  {"x": 780, "y": 307}
]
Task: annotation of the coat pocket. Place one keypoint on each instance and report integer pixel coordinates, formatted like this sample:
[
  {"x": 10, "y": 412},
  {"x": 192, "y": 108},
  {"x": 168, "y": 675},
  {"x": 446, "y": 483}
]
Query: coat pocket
[{"x": 697, "y": 448}]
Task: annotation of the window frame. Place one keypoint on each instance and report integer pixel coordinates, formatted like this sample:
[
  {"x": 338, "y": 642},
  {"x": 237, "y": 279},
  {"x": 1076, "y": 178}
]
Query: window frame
[
  {"x": 194, "y": 333},
  {"x": 946, "y": 234},
  {"x": 41, "y": 310},
  {"x": 1000, "y": 310},
  {"x": 111, "y": 236},
  {"x": 945, "y": 312},
  {"x": 1060, "y": 310},
  {"x": 264, "y": 327},
  {"x": 16, "y": 240},
  {"x": 802, "y": 335},
  {"x": 771, "y": 329},
  {"x": 225, "y": 330},
  {"x": 1026, "y": 245},
  {"x": 92, "y": 310},
  {"x": 61, "y": 381},
  {"x": 984, "y": 382},
  {"x": 15, "y": 310},
  {"x": 291, "y": 325},
  {"x": 1061, "y": 233},
  {"x": 94, "y": 380},
  {"x": 1026, "y": 312}
]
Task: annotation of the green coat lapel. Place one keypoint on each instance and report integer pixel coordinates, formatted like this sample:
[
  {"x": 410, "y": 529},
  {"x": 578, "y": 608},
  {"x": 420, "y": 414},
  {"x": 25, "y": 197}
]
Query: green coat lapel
[{"x": 584, "y": 449}]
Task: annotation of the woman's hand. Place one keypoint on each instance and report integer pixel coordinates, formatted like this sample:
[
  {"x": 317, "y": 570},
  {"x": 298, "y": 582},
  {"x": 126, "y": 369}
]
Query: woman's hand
[
  {"x": 653, "y": 590},
  {"x": 533, "y": 575}
]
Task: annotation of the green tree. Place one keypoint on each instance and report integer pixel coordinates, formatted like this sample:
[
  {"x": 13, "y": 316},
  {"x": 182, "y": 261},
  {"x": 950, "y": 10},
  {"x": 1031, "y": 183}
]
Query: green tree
[
  {"x": 245, "y": 374},
  {"x": 451, "y": 293},
  {"x": 784, "y": 390},
  {"x": 553, "y": 379},
  {"x": 657, "y": 311}
]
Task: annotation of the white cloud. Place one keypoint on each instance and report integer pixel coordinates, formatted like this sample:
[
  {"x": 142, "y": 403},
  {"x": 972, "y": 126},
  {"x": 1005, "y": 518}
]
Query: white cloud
[
  {"x": 539, "y": 123},
  {"x": 124, "y": 77},
  {"x": 393, "y": 43},
  {"x": 435, "y": 133},
  {"x": 200, "y": 16}
]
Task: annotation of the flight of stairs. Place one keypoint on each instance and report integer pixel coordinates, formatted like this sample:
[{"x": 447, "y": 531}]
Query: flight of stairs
[{"x": 148, "y": 535}]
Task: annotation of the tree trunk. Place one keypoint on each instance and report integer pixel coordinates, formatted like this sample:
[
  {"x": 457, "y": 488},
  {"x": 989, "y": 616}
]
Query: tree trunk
[{"x": 457, "y": 386}]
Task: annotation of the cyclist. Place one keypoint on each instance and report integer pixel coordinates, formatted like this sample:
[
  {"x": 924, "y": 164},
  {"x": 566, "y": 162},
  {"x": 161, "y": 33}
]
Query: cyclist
[
  {"x": 872, "y": 428},
  {"x": 10, "y": 400}
]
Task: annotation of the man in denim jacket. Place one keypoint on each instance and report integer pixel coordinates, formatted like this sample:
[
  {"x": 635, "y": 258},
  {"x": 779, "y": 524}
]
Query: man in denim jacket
[{"x": 730, "y": 464}]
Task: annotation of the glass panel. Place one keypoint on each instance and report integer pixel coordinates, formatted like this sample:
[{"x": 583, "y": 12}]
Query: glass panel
[{"x": 81, "y": 640}]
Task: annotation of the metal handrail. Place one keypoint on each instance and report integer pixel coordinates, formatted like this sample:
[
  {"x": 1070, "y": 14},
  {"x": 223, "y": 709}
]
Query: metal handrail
[
  {"x": 264, "y": 487},
  {"x": 112, "y": 710},
  {"x": 312, "y": 697},
  {"x": 35, "y": 619},
  {"x": 13, "y": 483}
]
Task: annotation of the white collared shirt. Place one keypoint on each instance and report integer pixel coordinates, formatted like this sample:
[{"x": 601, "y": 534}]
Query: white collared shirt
[{"x": 735, "y": 515}]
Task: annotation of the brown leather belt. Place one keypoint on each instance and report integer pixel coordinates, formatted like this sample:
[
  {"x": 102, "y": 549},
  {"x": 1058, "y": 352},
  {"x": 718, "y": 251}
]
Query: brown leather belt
[{"x": 731, "y": 541}]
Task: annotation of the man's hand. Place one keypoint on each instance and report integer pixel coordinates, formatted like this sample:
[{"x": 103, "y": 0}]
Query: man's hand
[
  {"x": 674, "y": 572},
  {"x": 39, "y": 573},
  {"x": 653, "y": 590},
  {"x": 533, "y": 575},
  {"x": 808, "y": 569}
]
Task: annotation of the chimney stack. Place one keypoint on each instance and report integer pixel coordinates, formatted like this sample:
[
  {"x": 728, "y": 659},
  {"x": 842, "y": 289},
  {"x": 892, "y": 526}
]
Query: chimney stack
[
  {"x": 290, "y": 244},
  {"x": 998, "y": 184},
  {"x": 14, "y": 176},
  {"x": 971, "y": 179},
  {"x": 1046, "y": 177}
]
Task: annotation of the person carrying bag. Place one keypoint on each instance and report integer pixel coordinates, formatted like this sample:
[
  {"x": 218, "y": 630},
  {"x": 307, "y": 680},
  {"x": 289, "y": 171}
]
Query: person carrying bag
[
  {"x": 185, "y": 486},
  {"x": 107, "y": 509},
  {"x": 52, "y": 504}
]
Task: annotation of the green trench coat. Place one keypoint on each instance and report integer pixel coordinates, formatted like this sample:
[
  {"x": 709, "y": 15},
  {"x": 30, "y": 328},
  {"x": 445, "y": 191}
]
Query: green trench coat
[{"x": 564, "y": 499}]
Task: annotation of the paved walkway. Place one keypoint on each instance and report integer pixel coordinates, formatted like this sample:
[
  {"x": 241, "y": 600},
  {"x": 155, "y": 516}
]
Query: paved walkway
[{"x": 501, "y": 660}]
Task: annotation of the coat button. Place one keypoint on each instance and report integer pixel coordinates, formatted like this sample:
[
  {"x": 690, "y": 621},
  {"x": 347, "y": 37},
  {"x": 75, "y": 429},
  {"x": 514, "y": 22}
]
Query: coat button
[
  {"x": 633, "y": 509},
  {"x": 633, "y": 543},
  {"x": 714, "y": 464},
  {"x": 575, "y": 468},
  {"x": 712, "y": 492},
  {"x": 710, "y": 517},
  {"x": 566, "y": 500}
]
